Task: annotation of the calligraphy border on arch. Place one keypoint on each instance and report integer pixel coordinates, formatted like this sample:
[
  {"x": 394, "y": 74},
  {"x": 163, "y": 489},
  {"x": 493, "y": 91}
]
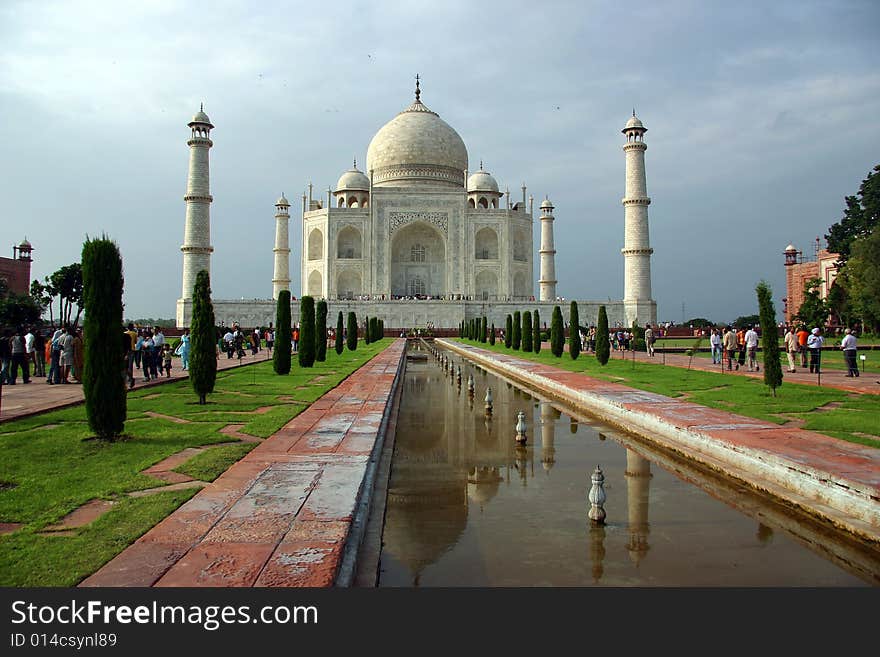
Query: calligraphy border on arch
[{"x": 398, "y": 219}]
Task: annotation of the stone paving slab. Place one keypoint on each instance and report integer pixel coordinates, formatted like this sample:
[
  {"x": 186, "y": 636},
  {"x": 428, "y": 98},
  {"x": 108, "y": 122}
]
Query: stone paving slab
[
  {"x": 834, "y": 478},
  {"x": 282, "y": 515}
]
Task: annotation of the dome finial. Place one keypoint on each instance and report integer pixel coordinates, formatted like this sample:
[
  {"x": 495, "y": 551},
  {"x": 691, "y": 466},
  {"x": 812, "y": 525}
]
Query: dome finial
[
  {"x": 355, "y": 163},
  {"x": 481, "y": 165},
  {"x": 418, "y": 91},
  {"x": 201, "y": 107}
]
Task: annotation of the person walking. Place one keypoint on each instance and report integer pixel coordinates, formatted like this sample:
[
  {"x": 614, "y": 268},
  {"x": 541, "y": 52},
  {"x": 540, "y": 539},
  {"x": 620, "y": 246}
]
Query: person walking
[
  {"x": 54, "y": 375},
  {"x": 65, "y": 342},
  {"x": 147, "y": 356},
  {"x": 741, "y": 345},
  {"x": 5, "y": 358},
  {"x": 791, "y": 348},
  {"x": 184, "y": 348},
  {"x": 814, "y": 344},
  {"x": 295, "y": 340},
  {"x": 848, "y": 345},
  {"x": 802, "y": 335},
  {"x": 649, "y": 340},
  {"x": 715, "y": 343},
  {"x": 19, "y": 358},
  {"x": 29, "y": 350},
  {"x": 79, "y": 349},
  {"x": 729, "y": 342},
  {"x": 39, "y": 353},
  {"x": 129, "y": 338},
  {"x": 751, "y": 340}
]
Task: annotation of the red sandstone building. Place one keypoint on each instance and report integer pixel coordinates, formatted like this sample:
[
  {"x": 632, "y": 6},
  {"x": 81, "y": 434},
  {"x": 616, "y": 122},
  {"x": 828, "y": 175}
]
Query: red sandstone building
[
  {"x": 16, "y": 271},
  {"x": 800, "y": 270}
]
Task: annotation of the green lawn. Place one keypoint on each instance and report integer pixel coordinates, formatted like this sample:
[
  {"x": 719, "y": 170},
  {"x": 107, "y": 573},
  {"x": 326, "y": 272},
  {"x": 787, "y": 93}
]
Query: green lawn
[
  {"x": 46, "y": 473},
  {"x": 857, "y": 419}
]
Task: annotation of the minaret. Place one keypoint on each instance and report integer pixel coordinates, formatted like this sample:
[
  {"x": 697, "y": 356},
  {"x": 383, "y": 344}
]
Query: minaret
[
  {"x": 281, "y": 279},
  {"x": 197, "y": 231},
  {"x": 547, "y": 282},
  {"x": 636, "y": 245}
]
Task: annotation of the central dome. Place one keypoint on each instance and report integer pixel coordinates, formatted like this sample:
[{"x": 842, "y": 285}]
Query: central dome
[{"x": 417, "y": 147}]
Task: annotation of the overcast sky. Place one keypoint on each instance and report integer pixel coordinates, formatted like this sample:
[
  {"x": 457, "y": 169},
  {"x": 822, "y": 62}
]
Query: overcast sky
[{"x": 761, "y": 117}]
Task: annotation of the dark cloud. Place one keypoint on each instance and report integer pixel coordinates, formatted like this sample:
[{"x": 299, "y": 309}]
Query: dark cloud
[{"x": 756, "y": 115}]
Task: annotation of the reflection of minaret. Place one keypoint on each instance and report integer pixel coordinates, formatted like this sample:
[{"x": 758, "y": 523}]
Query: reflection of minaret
[
  {"x": 548, "y": 431},
  {"x": 638, "y": 480},
  {"x": 597, "y": 550}
]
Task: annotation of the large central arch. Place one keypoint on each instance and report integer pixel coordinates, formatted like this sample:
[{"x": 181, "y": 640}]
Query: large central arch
[{"x": 418, "y": 261}]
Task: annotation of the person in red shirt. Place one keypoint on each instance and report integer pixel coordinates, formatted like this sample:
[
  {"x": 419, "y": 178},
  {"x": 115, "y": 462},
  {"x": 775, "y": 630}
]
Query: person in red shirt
[{"x": 802, "y": 335}]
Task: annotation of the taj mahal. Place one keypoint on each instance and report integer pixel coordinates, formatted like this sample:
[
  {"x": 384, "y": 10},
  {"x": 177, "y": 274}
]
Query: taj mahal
[{"x": 417, "y": 237}]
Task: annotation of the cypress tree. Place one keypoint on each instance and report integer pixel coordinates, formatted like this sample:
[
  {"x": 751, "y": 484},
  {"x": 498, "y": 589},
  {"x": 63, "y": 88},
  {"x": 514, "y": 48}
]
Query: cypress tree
[
  {"x": 321, "y": 332},
  {"x": 574, "y": 334},
  {"x": 381, "y": 329},
  {"x": 367, "y": 329},
  {"x": 536, "y": 332},
  {"x": 557, "y": 333},
  {"x": 281, "y": 355},
  {"x": 769, "y": 337},
  {"x": 508, "y": 332},
  {"x": 492, "y": 335},
  {"x": 484, "y": 330},
  {"x": 103, "y": 369},
  {"x": 374, "y": 329},
  {"x": 638, "y": 339},
  {"x": 306, "y": 353},
  {"x": 352, "y": 330},
  {"x": 517, "y": 331},
  {"x": 603, "y": 345},
  {"x": 203, "y": 349},
  {"x": 527, "y": 331},
  {"x": 340, "y": 345}
]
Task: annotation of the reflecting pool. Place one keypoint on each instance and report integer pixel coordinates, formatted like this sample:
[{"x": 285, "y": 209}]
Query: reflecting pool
[{"x": 467, "y": 506}]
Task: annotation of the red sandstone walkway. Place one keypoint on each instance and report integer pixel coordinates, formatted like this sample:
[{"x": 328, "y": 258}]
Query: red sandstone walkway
[
  {"x": 37, "y": 397},
  {"x": 280, "y": 516},
  {"x": 833, "y": 471}
]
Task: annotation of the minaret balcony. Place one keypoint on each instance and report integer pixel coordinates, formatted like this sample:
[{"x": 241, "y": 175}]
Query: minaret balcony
[
  {"x": 636, "y": 201},
  {"x": 647, "y": 251},
  {"x": 200, "y": 141},
  {"x": 199, "y": 197},
  {"x": 635, "y": 146}
]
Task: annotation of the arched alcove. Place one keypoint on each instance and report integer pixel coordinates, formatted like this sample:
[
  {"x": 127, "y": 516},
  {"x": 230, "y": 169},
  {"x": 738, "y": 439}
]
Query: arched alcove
[
  {"x": 520, "y": 285},
  {"x": 520, "y": 245},
  {"x": 487, "y": 285},
  {"x": 348, "y": 284},
  {"x": 316, "y": 281},
  {"x": 349, "y": 243},
  {"x": 316, "y": 244},
  {"x": 418, "y": 260},
  {"x": 486, "y": 244}
]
